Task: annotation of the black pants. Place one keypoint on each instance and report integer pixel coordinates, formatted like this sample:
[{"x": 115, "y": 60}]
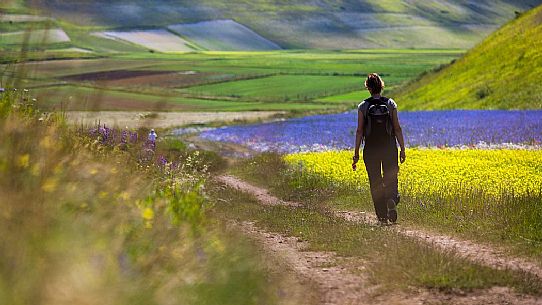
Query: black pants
[{"x": 382, "y": 167}]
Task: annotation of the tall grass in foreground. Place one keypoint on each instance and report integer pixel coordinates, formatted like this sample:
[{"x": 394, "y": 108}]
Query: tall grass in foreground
[{"x": 85, "y": 223}]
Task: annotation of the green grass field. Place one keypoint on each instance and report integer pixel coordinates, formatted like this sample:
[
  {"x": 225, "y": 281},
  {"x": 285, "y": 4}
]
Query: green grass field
[
  {"x": 289, "y": 78},
  {"x": 280, "y": 87}
]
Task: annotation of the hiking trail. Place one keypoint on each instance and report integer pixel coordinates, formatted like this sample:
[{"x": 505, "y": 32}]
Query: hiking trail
[{"x": 339, "y": 285}]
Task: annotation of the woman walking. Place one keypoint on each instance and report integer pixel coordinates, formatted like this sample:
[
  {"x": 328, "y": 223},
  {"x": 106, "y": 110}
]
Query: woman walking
[{"x": 379, "y": 128}]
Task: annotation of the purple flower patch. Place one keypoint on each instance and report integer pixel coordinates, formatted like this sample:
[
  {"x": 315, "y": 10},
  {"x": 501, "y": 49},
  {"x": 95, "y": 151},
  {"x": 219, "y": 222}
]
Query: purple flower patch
[{"x": 454, "y": 128}]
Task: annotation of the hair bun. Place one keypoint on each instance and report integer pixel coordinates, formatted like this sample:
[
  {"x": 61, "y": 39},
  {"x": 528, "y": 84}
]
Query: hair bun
[{"x": 374, "y": 83}]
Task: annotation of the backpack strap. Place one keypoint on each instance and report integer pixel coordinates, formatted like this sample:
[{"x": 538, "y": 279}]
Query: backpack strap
[
  {"x": 385, "y": 101},
  {"x": 366, "y": 108},
  {"x": 370, "y": 102},
  {"x": 389, "y": 127}
]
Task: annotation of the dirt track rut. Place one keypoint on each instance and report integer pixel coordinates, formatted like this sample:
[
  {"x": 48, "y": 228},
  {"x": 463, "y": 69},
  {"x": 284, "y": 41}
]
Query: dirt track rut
[
  {"x": 482, "y": 254},
  {"x": 334, "y": 281}
]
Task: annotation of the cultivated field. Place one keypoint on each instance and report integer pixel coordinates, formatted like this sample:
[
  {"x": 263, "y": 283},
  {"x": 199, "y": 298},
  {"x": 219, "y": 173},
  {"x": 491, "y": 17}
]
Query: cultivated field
[
  {"x": 217, "y": 81},
  {"x": 165, "y": 119},
  {"x": 158, "y": 40},
  {"x": 90, "y": 99},
  {"x": 22, "y": 18},
  {"x": 347, "y": 24},
  {"x": 280, "y": 87},
  {"x": 223, "y": 35},
  {"x": 35, "y": 37}
]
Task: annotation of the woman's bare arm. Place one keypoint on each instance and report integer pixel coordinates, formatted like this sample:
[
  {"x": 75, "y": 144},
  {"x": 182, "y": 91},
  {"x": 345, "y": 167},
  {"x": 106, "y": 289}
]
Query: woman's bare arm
[
  {"x": 398, "y": 133},
  {"x": 359, "y": 133}
]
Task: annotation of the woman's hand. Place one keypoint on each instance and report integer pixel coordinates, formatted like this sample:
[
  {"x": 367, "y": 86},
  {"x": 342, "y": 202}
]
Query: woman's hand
[
  {"x": 355, "y": 160},
  {"x": 402, "y": 156}
]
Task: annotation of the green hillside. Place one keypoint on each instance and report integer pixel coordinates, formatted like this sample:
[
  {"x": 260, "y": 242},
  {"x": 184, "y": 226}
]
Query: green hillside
[
  {"x": 503, "y": 72},
  {"x": 324, "y": 24}
]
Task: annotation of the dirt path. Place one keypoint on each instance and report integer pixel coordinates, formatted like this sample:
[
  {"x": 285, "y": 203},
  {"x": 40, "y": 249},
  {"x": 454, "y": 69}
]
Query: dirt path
[
  {"x": 342, "y": 281},
  {"x": 335, "y": 284},
  {"x": 262, "y": 194},
  {"x": 482, "y": 254},
  {"x": 134, "y": 119}
]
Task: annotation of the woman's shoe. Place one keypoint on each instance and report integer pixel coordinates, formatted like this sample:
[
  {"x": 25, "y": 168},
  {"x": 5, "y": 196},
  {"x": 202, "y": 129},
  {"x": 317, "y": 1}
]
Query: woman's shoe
[{"x": 392, "y": 210}]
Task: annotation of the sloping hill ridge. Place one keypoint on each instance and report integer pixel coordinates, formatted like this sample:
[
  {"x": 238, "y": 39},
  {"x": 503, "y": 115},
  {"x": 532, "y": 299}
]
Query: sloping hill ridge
[
  {"x": 327, "y": 24},
  {"x": 503, "y": 72}
]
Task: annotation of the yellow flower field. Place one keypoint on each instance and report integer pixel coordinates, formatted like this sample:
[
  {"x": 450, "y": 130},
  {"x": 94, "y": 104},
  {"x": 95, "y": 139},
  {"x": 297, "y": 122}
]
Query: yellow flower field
[{"x": 440, "y": 170}]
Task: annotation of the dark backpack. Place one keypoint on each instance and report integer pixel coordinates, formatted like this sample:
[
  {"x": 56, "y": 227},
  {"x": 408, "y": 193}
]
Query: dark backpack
[{"x": 378, "y": 125}]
